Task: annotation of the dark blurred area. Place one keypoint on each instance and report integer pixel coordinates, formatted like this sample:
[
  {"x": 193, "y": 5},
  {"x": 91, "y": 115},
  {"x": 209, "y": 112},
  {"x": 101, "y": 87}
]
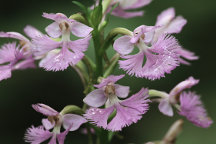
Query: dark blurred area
[{"x": 59, "y": 89}]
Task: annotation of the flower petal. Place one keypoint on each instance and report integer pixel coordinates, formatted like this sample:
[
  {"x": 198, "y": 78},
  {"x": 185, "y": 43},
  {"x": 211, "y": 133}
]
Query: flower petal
[
  {"x": 99, "y": 116},
  {"x": 165, "y": 17},
  {"x": 123, "y": 45},
  {"x": 44, "y": 44},
  {"x": 161, "y": 58},
  {"x": 72, "y": 121},
  {"x": 5, "y": 73},
  {"x": 80, "y": 30},
  {"x": 130, "y": 110},
  {"x": 45, "y": 109},
  {"x": 119, "y": 12},
  {"x": 53, "y": 30},
  {"x": 139, "y": 4},
  {"x": 176, "y": 25},
  {"x": 95, "y": 98},
  {"x": 109, "y": 79},
  {"x": 186, "y": 84},
  {"x": 165, "y": 107},
  {"x": 121, "y": 91},
  {"x": 61, "y": 136},
  {"x": 14, "y": 35},
  {"x": 47, "y": 124},
  {"x": 32, "y": 32},
  {"x": 37, "y": 135},
  {"x": 186, "y": 55},
  {"x": 192, "y": 108},
  {"x": 8, "y": 52}
]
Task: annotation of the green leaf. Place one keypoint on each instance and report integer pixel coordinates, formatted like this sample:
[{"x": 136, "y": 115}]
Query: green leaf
[
  {"x": 82, "y": 7},
  {"x": 96, "y": 16}
]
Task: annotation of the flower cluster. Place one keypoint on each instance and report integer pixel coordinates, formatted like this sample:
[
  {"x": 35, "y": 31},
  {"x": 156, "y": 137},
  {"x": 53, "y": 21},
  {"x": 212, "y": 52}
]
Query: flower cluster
[{"x": 107, "y": 105}]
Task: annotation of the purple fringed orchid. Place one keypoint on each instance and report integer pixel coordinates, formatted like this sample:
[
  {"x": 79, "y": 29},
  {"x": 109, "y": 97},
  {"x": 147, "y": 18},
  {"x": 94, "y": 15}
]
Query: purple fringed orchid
[
  {"x": 13, "y": 56},
  {"x": 190, "y": 105},
  {"x": 124, "y": 5},
  {"x": 168, "y": 23},
  {"x": 128, "y": 111},
  {"x": 153, "y": 60},
  {"x": 54, "y": 122},
  {"x": 71, "y": 52}
]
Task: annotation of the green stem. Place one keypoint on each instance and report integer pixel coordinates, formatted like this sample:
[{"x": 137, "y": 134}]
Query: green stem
[
  {"x": 90, "y": 139},
  {"x": 156, "y": 93}
]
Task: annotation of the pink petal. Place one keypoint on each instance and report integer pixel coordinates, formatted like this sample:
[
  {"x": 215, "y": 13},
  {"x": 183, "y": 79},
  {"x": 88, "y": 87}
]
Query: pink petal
[
  {"x": 130, "y": 110},
  {"x": 165, "y": 107},
  {"x": 80, "y": 30},
  {"x": 14, "y": 35},
  {"x": 121, "y": 91},
  {"x": 37, "y": 135},
  {"x": 133, "y": 64},
  {"x": 186, "y": 55},
  {"x": 192, "y": 108},
  {"x": 47, "y": 124},
  {"x": 165, "y": 59},
  {"x": 32, "y": 32},
  {"x": 72, "y": 121},
  {"x": 123, "y": 45},
  {"x": 58, "y": 17},
  {"x": 176, "y": 25},
  {"x": 5, "y": 73},
  {"x": 95, "y": 98},
  {"x": 109, "y": 79},
  {"x": 8, "y": 53},
  {"x": 139, "y": 4},
  {"x": 186, "y": 84},
  {"x": 165, "y": 17},
  {"x": 45, "y": 109},
  {"x": 27, "y": 63},
  {"x": 121, "y": 13},
  {"x": 53, "y": 30},
  {"x": 99, "y": 116},
  {"x": 61, "y": 136},
  {"x": 44, "y": 44},
  {"x": 138, "y": 101}
]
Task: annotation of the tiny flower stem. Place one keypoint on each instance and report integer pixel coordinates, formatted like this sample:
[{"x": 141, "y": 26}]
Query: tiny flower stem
[
  {"x": 72, "y": 109},
  {"x": 90, "y": 139},
  {"x": 78, "y": 17},
  {"x": 106, "y": 59},
  {"x": 106, "y": 4},
  {"x": 156, "y": 93},
  {"x": 173, "y": 132},
  {"x": 81, "y": 75}
]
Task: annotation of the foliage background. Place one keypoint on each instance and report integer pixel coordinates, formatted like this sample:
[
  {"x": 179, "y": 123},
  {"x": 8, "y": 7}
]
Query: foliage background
[{"x": 58, "y": 89}]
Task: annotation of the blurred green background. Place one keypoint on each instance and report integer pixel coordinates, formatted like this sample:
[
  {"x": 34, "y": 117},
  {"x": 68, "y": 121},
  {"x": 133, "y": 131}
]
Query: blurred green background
[{"x": 58, "y": 89}]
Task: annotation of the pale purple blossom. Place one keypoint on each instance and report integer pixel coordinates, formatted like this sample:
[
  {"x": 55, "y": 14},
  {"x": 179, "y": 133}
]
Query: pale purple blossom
[
  {"x": 13, "y": 58},
  {"x": 51, "y": 128},
  {"x": 153, "y": 60},
  {"x": 190, "y": 105},
  {"x": 124, "y": 5},
  {"x": 170, "y": 24},
  {"x": 166, "y": 103},
  {"x": 125, "y": 112},
  {"x": 59, "y": 54}
]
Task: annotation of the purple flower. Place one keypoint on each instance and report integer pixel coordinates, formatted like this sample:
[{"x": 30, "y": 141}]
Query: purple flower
[
  {"x": 124, "y": 5},
  {"x": 13, "y": 58},
  {"x": 153, "y": 60},
  {"x": 71, "y": 52},
  {"x": 55, "y": 121},
  {"x": 190, "y": 105},
  {"x": 25, "y": 43},
  {"x": 165, "y": 105},
  {"x": 169, "y": 24},
  {"x": 120, "y": 113},
  {"x": 192, "y": 108}
]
